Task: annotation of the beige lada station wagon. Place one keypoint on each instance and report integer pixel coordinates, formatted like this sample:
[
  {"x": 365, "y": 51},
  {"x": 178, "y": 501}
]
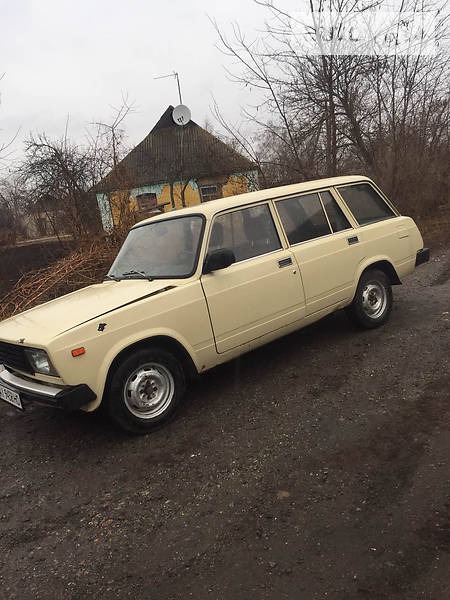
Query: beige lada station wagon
[{"x": 197, "y": 287}]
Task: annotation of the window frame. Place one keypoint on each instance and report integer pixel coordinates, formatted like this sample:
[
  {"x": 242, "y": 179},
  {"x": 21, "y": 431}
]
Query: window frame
[{"x": 349, "y": 221}]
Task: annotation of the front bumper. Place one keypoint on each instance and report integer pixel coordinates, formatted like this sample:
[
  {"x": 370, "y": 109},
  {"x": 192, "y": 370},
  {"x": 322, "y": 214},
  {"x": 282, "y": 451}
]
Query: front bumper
[
  {"x": 67, "y": 397},
  {"x": 422, "y": 256}
]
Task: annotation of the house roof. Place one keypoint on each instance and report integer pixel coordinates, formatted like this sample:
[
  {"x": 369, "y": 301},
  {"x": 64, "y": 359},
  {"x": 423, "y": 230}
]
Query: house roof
[{"x": 174, "y": 153}]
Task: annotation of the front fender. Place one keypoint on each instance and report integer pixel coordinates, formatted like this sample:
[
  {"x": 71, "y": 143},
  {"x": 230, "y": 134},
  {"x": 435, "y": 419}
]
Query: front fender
[{"x": 125, "y": 343}]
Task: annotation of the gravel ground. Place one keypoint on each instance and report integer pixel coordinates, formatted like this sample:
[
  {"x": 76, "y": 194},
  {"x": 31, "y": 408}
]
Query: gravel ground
[{"x": 316, "y": 467}]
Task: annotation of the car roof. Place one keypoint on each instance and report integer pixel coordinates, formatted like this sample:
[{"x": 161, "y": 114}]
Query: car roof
[{"x": 212, "y": 207}]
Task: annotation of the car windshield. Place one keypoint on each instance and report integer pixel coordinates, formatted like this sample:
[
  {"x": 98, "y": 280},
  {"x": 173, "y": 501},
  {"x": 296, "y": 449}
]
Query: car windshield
[{"x": 163, "y": 249}]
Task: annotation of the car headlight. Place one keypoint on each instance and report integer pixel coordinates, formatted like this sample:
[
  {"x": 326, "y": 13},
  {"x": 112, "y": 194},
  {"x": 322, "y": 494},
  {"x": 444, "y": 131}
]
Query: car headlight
[{"x": 40, "y": 361}]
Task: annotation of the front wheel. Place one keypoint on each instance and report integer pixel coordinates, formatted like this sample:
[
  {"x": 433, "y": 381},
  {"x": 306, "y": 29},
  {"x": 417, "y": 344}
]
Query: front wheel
[
  {"x": 146, "y": 389},
  {"x": 372, "y": 303}
]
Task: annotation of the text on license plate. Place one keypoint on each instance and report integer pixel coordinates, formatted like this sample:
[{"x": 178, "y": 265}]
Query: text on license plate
[{"x": 10, "y": 396}]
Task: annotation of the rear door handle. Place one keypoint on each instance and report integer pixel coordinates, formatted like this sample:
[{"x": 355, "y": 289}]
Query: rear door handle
[
  {"x": 352, "y": 240},
  {"x": 285, "y": 262}
]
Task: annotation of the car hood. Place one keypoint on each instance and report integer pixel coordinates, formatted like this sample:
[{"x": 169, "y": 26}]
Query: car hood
[{"x": 43, "y": 323}]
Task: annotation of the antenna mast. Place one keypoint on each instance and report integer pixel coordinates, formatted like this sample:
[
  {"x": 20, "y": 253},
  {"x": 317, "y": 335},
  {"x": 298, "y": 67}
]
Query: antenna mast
[{"x": 175, "y": 75}]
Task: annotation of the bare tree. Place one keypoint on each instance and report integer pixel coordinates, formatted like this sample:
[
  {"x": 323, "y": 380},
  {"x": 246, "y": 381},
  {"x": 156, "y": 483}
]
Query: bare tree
[
  {"x": 7, "y": 225},
  {"x": 325, "y": 111},
  {"x": 13, "y": 202},
  {"x": 107, "y": 140},
  {"x": 56, "y": 173}
]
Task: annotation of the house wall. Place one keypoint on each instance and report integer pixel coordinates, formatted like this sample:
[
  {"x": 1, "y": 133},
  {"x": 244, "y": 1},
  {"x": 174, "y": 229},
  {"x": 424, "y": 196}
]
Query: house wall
[
  {"x": 120, "y": 207},
  {"x": 240, "y": 183}
]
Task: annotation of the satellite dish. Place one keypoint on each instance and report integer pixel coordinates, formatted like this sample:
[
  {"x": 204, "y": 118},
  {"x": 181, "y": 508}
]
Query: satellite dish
[{"x": 181, "y": 115}]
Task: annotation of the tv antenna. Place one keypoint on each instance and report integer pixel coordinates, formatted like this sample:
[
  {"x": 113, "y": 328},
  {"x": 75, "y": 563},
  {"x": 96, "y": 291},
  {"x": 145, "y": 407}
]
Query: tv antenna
[{"x": 175, "y": 75}]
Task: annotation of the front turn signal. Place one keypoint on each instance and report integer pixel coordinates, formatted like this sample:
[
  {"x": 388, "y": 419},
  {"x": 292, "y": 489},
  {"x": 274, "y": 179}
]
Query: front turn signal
[{"x": 78, "y": 352}]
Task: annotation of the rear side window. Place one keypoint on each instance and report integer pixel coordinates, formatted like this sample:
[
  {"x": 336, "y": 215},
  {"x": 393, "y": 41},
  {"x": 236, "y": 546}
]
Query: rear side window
[
  {"x": 248, "y": 232},
  {"x": 365, "y": 203},
  {"x": 303, "y": 218},
  {"x": 338, "y": 220}
]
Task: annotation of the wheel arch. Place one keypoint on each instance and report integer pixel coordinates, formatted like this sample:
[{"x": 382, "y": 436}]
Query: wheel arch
[
  {"x": 160, "y": 341},
  {"x": 387, "y": 268}
]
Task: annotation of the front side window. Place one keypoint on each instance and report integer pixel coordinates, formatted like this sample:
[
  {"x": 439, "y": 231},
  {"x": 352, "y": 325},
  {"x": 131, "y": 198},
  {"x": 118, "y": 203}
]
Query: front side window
[
  {"x": 247, "y": 232},
  {"x": 303, "y": 218},
  {"x": 162, "y": 249},
  {"x": 365, "y": 203}
]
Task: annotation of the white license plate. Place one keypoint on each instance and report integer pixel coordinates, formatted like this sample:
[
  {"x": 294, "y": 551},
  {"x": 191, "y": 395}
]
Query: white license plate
[{"x": 11, "y": 397}]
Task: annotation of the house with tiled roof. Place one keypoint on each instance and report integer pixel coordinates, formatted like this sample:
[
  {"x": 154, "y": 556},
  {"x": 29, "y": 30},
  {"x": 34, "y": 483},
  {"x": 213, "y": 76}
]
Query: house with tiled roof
[{"x": 174, "y": 166}]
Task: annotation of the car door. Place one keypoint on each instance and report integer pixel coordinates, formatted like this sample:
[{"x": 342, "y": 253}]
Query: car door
[
  {"x": 325, "y": 246},
  {"x": 262, "y": 291},
  {"x": 381, "y": 228}
]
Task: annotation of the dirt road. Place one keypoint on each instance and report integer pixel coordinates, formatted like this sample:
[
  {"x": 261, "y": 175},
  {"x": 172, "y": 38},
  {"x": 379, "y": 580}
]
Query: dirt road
[{"x": 316, "y": 467}]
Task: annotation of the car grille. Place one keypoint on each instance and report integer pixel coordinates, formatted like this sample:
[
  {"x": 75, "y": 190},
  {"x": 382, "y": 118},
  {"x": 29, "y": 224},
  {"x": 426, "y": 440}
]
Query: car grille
[{"x": 14, "y": 357}]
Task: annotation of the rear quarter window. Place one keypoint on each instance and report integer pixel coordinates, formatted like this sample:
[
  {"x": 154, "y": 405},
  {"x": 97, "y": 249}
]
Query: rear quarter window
[{"x": 365, "y": 203}]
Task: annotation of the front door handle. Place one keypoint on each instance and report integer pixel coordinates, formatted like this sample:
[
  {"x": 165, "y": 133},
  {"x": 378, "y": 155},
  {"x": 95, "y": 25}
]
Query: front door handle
[
  {"x": 352, "y": 240},
  {"x": 285, "y": 262}
]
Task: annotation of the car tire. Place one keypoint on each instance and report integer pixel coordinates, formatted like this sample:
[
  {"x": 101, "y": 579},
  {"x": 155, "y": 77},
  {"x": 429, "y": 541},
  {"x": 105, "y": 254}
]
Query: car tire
[
  {"x": 145, "y": 390},
  {"x": 372, "y": 303}
]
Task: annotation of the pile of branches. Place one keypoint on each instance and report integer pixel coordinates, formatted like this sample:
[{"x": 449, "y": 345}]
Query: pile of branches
[{"x": 85, "y": 266}]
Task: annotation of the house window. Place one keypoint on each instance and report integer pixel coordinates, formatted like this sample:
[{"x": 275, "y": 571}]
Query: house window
[
  {"x": 210, "y": 192},
  {"x": 146, "y": 202}
]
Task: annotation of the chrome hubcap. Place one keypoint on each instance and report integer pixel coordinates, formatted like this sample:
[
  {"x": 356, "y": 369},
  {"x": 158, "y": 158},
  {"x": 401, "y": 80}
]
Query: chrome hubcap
[
  {"x": 149, "y": 390},
  {"x": 374, "y": 300}
]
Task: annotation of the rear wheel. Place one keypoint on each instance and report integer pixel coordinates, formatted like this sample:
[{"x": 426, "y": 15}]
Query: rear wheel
[
  {"x": 146, "y": 389},
  {"x": 372, "y": 303}
]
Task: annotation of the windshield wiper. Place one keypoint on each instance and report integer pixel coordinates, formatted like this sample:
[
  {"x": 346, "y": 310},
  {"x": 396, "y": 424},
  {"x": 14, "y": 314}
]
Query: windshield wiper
[
  {"x": 112, "y": 277},
  {"x": 136, "y": 275}
]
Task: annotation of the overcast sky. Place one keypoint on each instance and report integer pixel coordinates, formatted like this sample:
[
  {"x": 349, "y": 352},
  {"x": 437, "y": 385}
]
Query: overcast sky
[{"x": 75, "y": 58}]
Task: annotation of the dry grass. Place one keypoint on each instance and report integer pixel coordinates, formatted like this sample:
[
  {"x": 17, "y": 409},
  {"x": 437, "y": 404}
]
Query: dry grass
[{"x": 84, "y": 266}]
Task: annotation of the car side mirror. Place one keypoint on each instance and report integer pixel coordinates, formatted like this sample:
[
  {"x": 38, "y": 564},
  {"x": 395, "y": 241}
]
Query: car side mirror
[{"x": 218, "y": 259}]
